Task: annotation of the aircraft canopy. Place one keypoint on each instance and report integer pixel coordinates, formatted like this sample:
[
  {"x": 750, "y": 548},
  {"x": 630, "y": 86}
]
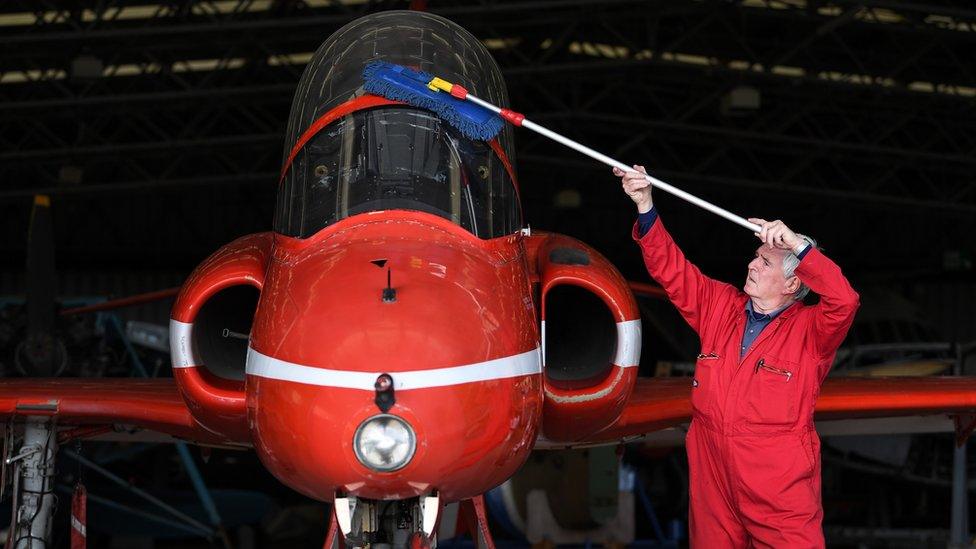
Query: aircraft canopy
[{"x": 396, "y": 157}]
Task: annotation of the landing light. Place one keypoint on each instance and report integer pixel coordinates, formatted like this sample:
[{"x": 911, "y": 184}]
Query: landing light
[{"x": 384, "y": 443}]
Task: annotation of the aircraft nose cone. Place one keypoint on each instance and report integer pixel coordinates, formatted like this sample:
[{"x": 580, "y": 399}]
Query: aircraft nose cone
[
  {"x": 393, "y": 305},
  {"x": 458, "y": 340}
]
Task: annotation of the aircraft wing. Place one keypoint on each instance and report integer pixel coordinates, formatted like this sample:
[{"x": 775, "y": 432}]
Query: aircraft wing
[
  {"x": 643, "y": 289},
  {"x": 150, "y": 404},
  {"x": 661, "y": 403}
]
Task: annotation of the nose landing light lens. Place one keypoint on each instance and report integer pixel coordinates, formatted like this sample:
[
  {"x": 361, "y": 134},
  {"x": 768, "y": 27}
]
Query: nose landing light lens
[{"x": 384, "y": 443}]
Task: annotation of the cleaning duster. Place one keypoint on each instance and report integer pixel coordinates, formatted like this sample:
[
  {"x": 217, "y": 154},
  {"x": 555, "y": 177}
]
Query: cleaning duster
[
  {"x": 481, "y": 120},
  {"x": 398, "y": 83}
]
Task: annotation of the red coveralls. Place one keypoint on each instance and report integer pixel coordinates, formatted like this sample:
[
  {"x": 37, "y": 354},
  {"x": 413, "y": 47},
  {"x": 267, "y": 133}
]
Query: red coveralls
[{"x": 753, "y": 453}]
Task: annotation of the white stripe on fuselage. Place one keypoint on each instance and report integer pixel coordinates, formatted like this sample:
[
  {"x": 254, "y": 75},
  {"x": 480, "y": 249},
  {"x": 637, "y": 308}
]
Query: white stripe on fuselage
[
  {"x": 181, "y": 344},
  {"x": 527, "y": 363},
  {"x": 628, "y": 343}
]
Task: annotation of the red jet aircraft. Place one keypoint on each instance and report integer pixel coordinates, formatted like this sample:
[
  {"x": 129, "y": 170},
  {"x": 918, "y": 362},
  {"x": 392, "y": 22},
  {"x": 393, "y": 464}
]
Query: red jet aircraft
[{"x": 398, "y": 347}]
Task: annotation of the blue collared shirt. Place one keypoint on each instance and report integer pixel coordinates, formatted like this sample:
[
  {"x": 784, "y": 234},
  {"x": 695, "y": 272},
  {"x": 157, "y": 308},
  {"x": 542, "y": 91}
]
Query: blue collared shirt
[{"x": 755, "y": 323}]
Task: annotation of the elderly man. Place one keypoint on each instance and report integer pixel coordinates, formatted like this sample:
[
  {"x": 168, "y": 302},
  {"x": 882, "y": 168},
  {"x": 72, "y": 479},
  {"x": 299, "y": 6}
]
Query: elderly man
[{"x": 753, "y": 453}]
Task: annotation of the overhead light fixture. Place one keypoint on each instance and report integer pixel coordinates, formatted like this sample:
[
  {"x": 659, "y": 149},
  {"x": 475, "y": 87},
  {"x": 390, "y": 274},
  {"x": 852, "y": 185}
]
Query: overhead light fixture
[
  {"x": 70, "y": 174},
  {"x": 86, "y": 67},
  {"x": 567, "y": 199},
  {"x": 741, "y": 101}
]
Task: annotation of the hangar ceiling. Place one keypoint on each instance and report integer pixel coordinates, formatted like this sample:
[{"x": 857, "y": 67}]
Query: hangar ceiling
[{"x": 157, "y": 128}]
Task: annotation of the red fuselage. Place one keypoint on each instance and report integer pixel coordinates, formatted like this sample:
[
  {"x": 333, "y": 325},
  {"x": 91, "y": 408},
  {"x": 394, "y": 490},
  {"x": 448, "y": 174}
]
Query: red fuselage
[{"x": 460, "y": 341}]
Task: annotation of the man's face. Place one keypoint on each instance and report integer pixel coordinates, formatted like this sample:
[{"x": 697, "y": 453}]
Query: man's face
[{"x": 765, "y": 280}]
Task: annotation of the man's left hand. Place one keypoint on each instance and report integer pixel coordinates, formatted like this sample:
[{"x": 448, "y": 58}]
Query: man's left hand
[{"x": 776, "y": 234}]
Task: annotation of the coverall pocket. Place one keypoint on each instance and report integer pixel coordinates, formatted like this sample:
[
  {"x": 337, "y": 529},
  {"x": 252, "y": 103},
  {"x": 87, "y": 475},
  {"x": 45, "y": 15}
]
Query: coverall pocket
[
  {"x": 811, "y": 449},
  {"x": 772, "y": 392},
  {"x": 706, "y": 368}
]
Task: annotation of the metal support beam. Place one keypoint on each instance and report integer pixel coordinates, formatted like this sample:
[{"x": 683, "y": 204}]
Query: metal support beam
[{"x": 959, "y": 519}]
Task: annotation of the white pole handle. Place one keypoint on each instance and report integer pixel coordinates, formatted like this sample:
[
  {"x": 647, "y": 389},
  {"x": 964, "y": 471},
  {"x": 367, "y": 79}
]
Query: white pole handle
[{"x": 617, "y": 164}]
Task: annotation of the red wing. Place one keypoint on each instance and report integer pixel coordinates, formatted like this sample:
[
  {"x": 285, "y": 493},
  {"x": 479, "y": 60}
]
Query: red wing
[
  {"x": 656, "y": 403},
  {"x": 643, "y": 289},
  {"x": 122, "y": 302},
  {"x": 153, "y": 404},
  {"x": 896, "y": 396},
  {"x": 659, "y": 403}
]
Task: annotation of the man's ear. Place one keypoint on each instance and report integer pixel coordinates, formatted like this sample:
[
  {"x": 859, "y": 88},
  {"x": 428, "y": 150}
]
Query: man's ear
[{"x": 792, "y": 285}]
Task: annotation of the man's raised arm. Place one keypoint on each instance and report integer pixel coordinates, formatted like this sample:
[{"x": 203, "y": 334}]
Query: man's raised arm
[{"x": 694, "y": 294}]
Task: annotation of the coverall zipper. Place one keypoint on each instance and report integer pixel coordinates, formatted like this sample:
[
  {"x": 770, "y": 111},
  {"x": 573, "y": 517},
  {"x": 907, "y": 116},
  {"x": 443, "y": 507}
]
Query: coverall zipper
[{"x": 761, "y": 365}]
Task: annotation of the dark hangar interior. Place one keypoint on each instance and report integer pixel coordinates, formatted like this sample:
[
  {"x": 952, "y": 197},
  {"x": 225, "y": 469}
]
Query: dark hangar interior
[{"x": 157, "y": 131}]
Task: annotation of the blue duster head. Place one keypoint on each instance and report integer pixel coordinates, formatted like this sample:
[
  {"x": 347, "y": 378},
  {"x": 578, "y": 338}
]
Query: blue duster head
[{"x": 399, "y": 83}]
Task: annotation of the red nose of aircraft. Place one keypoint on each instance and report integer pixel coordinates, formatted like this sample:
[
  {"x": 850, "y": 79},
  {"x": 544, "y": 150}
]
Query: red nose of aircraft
[
  {"x": 362, "y": 285},
  {"x": 446, "y": 315}
]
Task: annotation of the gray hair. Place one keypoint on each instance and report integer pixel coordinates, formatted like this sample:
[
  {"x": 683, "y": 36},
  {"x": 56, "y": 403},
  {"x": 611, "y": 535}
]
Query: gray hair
[{"x": 790, "y": 261}]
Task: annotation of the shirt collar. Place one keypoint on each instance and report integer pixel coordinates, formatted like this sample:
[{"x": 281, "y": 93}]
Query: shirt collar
[{"x": 759, "y": 317}]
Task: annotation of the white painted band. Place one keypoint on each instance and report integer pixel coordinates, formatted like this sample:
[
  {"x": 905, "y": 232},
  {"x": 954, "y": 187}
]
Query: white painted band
[
  {"x": 543, "y": 342},
  {"x": 78, "y": 526},
  {"x": 628, "y": 344},
  {"x": 181, "y": 351},
  {"x": 527, "y": 363}
]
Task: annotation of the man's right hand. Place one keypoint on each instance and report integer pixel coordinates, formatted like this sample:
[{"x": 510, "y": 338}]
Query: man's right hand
[{"x": 637, "y": 187}]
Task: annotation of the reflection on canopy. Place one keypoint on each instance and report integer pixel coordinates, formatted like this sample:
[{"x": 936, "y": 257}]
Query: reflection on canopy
[{"x": 396, "y": 158}]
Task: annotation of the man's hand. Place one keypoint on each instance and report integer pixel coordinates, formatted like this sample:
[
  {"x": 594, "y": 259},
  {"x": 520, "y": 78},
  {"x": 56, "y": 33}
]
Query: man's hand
[
  {"x": 637, "y": 187},
  {"x": 776, "y": 234}
]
